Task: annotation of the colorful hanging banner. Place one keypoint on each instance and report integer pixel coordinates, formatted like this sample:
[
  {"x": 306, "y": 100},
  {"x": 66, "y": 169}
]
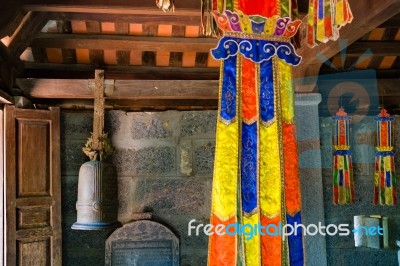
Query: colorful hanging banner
[
  {"x": 256, "y": 179},
  {"x": 256, "y": 10},
  {"x": 325, "y": 18},
  {"x": 385, "y": 174},
  {"x": 343, "y": 182}
]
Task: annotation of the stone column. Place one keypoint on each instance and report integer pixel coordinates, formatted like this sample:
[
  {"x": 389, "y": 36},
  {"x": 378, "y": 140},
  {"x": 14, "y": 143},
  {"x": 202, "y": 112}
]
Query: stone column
[{"x": 307, "y": 123}]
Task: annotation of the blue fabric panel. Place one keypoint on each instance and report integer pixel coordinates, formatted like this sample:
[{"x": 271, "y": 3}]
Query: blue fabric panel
[{"x": 249, "y": 167}]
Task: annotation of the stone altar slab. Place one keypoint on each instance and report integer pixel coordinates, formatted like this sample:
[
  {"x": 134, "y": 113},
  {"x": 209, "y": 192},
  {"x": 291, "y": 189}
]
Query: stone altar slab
[{"x": 142, "y": 243}]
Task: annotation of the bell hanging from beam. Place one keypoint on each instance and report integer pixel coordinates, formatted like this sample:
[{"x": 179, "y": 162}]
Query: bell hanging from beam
[{"x": 97, "y": 204}]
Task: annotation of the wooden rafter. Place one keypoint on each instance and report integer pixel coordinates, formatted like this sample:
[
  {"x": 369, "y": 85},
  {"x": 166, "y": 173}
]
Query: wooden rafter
[
  {"x": 10, "y": 18},
  {"x": 31, "y": 24},
  {"x": 118, "y": 42},
  {"x": 80, "y": 71},
  {"x": 184, "y": 8},
  {"x": 164, "y": 19},
  {"x": 380, "y": 73},
  {"x": 393, "y": 22},
  {"x": 377, "y": 48}
]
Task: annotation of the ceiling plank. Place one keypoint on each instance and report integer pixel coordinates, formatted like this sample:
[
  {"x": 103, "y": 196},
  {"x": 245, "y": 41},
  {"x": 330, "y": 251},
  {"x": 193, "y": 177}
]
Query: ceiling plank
[
  {"x": 164, "y": 19},
  {"x": 123, "y": 89},
  {"x": 118, "y": 42},
  {"x": 367, "y": 16},
  {"x": 183, "y": 8},
  {"x": 31, "y": 24}
]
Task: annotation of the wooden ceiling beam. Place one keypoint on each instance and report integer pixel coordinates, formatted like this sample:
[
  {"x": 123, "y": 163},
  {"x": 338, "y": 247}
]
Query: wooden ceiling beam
[
  {"x": 183, "y": 8},
  {"x": 393, "y": 22},
  {"x": 119, "y": 42},
  {"x": 31, "y": 24},
  {"x": 367, "y": 16},
  {"x": 147, "y": 89},
  {"x": 163, "y": 19},
  {"x": 145, "y": 94},
  {"x": 82, "y": 71},
  {"x": 377, "y": 48},
  {"x": 131, "y": 105},
  {"x": 122, "y": 89},
  {"x": 380, "y": 73}
]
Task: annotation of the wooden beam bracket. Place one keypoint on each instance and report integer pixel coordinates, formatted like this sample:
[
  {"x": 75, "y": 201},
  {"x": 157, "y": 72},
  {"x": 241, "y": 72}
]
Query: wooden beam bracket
[{"x": 109, "y": 85}]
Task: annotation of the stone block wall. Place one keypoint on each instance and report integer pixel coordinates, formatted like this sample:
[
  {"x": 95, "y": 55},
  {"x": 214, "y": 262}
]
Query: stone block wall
[
  {"x": 340, "y": 249},
  {"x": 164, "y": 162}
]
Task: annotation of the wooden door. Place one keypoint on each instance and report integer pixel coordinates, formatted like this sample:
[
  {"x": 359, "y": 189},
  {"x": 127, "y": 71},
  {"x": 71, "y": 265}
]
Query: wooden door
[{"x": 33, "y": 187}]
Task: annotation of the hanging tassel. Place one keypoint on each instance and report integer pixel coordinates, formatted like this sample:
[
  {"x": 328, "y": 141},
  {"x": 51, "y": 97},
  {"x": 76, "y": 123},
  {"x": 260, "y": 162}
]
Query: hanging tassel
[
  {"x": 385, "y": 175},
  {"x": 325, "y": 18},
  {"x": 343, "y": 182},
  {"x": 166, "y": 5}
]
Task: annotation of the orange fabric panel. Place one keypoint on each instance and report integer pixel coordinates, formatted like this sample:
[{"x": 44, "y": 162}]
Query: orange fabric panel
[
  {"x": 270, "y": 244},
  {"x": 222, "y": 248},
  {"x": 291, "y": 162},
  {"x": 384, "y": 134},
  {"x": 249, "y": 96},
  {"x": 259, "y": 7}
]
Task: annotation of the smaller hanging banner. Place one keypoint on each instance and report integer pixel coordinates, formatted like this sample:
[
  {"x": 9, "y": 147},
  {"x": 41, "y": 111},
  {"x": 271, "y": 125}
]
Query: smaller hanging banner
[
  {"x": 343, "y": 182},
  {"x": 385, "y": 175},
  {"x": 325, "y": 18}
]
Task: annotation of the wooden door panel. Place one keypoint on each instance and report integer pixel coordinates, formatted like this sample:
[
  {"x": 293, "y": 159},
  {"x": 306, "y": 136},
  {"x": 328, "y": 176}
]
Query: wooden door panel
[
  {"x": 33, "y": 187},
  {"x": 33, "y": 217},
  {"x": 34, "y": 252},
  {"x": 33, "y": 137}
]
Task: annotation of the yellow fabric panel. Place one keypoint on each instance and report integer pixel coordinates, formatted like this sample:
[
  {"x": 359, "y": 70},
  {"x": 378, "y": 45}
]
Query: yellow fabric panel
[
  {"x": 389, "y": 195},
  {"x": 387, "y": 161},
  {"x": 270, "y": 178},
  {"x": 339, "y": 16},
  {"x": 224, "y": 192},
  {"x": 340, "y": 162},
  {"x": 286, "y": 88},
  {"x": 245, "y": 23},
  {"x": 376, "y": 179},
  {"x": 270, "y": 25},
  {"x": 252, "y": 241},
  {"x": 310, "y": 18},
  {"x": 321, "y": 30}
]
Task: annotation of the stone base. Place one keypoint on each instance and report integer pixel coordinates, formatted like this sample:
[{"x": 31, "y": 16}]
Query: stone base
[{"x": 95, "y": 226}]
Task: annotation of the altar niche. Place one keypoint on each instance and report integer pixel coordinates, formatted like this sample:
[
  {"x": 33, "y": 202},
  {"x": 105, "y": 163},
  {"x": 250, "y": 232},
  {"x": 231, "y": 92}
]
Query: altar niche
[{"x": 142, "y": 243}]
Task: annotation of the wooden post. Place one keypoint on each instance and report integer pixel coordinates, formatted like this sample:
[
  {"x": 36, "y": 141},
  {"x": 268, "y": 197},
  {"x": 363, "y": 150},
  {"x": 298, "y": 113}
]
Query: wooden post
[{"x": 98, "y": 118}]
